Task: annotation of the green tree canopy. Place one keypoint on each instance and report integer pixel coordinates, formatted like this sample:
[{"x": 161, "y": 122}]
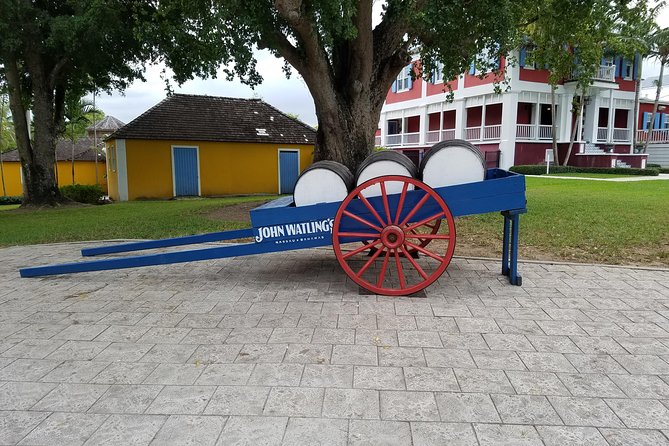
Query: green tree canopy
[{"x": 53, "y": 50}]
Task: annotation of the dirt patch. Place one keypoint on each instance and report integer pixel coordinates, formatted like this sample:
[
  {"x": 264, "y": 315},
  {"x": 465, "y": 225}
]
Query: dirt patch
[{"x": 235, "y": 212}]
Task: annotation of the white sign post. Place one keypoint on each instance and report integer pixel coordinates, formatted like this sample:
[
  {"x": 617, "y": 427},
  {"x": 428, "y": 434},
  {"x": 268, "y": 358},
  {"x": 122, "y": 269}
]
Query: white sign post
[{"x": 548, "y": 158}]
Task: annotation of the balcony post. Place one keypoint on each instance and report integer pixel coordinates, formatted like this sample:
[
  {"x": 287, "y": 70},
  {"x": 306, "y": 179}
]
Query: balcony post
[
  {"x": 384, "y": 129},
  {"x": 592, "y": 119},
  {"x": 482, "y": 131},
  {"x": 422, "y": 126},
  {"x": 611, "y": 119},
  {"x": 460, "y": 119},
  {"x": 537, "y": 118},
  {"x": 507, "y": 135},
  {"x": 441, "y": 123},
  {"x": 630, "y": 125}
]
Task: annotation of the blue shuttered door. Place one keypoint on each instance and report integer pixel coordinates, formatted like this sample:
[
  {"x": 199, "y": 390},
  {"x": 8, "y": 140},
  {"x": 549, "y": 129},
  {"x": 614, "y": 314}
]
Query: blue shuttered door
[
  {"x": 289, "y": 170},
  {"x": 185, "y": 172}
]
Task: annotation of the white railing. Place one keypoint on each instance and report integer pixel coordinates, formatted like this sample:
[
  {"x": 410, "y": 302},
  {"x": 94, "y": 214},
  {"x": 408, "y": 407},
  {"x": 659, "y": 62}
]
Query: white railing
[
  {"x": 602, "y": 134},
  {"x": 394, "y": 140},
  {"x": 606, "y": 73},
  {"x": 526, "y": 131},
  {"x": 473, "y": 133},
  {"x": 448, "y": 134},
  {"x": 533, "y": 131},
  {"x": 377, "y": 141},
  {"x": 545, "y": 132},
  {"x": 659, "y": 136},
  {"x": 492, "y": 131},
  {"x": 432, "y": 136},
  {"x": 621, "y": 135},
  {"x": 410, "y": 138}
]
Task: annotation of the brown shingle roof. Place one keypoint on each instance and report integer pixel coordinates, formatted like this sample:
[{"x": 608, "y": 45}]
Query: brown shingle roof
[
  {"x": 108, "y": 124},
  {"x": 83, "y": 151},
  {"x": 211, "y": 118}
]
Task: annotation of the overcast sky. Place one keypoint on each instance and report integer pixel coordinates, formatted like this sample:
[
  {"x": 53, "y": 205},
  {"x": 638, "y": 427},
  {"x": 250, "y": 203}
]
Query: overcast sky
[{"x": 289, "y": 95}]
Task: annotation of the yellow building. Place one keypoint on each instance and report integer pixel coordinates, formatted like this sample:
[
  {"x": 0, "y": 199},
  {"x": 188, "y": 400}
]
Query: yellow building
[
  {"x": 84, "y": 167},
  {"x": 190, "y": 145}
]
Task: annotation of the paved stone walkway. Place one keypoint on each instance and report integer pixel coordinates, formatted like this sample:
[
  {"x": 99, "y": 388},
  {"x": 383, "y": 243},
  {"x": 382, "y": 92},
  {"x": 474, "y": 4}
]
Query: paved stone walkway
[{"x": 281, "y": 349}]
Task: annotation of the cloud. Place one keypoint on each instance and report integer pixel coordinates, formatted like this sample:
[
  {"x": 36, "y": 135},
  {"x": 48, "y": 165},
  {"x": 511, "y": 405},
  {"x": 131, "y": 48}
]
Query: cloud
[{"x": 288, "y": 95}]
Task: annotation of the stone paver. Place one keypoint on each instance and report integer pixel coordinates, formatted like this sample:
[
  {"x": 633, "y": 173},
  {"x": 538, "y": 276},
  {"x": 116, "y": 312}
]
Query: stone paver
[{"x": 280, "y": 349}]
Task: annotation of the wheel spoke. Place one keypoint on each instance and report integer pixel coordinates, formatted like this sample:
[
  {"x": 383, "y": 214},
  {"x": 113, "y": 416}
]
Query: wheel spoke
[
  {"x": 360, "y": 234},
  {"x": 360, "y": 249},
  {"x": 401, "y": 203},
  {"x": 386, "y": 206},
  {"x": 400, "y": 272},
  {"x": 424, "y": 251},
  {"x": 415, "y": 209},
  {"x": 428, "y": 236},
  {"x": 362, "y": 220},
  {"x": 384, "y": 267},
  {"x": 422, "y": 222},
  {"x": 371, "y": 209},
  {"x": 414, "y": 263},
  {"x": 369, "y": 262}
]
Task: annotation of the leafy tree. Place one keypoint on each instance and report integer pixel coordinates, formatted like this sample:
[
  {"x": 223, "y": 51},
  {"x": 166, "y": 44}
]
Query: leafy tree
[
  {"x": 52, "y": 50},
  {"x": 347, "y": 63},
  {"x": 658, "y": 49},
  {"x": 79, "y": 114},
  {"x": 6, "y": 136},
  {"x": 570, "y": 37}
]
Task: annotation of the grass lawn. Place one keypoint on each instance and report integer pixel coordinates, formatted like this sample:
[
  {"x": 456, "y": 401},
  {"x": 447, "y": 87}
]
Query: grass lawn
[
  {"x": 8, "y": 207},
  {"x": 588, "y": 175},
  {"x": 136, "y": 219},
  {"x": 584, "y": 221}
]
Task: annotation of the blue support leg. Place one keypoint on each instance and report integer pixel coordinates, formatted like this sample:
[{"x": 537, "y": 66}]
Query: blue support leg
[
  {"x": 167, "y": 242},
  {"x": 505, "y": 247},
  {"x": 514, "y": 276}
]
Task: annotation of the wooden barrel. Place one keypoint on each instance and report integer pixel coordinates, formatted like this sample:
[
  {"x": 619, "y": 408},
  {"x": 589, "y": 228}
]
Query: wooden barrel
[
  {"x": 323, "y": 182},
  {"x": 452, "y": 162},
  {"x": 385, "y": 162}
]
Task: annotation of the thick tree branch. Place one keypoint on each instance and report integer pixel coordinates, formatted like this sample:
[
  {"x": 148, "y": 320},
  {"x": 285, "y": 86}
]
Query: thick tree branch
[
  {"x": 293, "y": 13},
  {"x": 55, "y": 71},
  {"x": 17, "y": 108},
  {"x": 278, "y": 42}
]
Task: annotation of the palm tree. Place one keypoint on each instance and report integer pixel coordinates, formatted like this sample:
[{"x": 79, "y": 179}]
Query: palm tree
[
  {"x": 659, "y": 49},
  {"x": 77, "y": 112}
]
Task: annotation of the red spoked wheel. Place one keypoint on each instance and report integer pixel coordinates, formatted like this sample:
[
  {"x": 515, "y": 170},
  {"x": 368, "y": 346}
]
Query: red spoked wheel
[{"x": 390, "y": 226}]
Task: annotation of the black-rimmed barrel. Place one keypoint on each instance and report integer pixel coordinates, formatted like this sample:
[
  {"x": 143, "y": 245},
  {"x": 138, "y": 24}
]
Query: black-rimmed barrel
[
  {"x": 452, "y": 162},
  {"x": 323, "y": 182}
]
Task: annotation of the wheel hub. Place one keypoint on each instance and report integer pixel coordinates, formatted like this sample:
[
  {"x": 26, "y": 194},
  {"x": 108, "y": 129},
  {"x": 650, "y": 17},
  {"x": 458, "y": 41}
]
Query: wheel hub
[{"x": 392, "y": 236}]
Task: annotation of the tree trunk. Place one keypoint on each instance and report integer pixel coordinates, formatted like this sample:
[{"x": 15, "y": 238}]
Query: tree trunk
[
  {"x": 663, "y": 62},
  {"x": 556, "y": 155},
  {"x": 2, "y": 131},
  {"x": 574, "y": 130},
  {"x": 38, "y": 157},
  {"x": 2, "y": 175}
]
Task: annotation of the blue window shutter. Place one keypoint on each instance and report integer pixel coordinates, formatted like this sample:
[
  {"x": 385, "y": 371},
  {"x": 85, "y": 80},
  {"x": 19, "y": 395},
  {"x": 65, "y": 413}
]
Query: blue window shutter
[
  {"x": 603, "y": 61},
  {"x": 472, "y": 68},
  {"x": 410, "y": 78},
  {"x": 394, "y": 87},
  {"x": 656, "y": 123},
  {"x": 635, "y": 67},
  {"x": 663, "y": 120},
  {"x": 498, "y": 63},
  {"x": 619, "y": 63},
  {"x": 522, "y": 55},
  {"x": 645, "y": 120}
]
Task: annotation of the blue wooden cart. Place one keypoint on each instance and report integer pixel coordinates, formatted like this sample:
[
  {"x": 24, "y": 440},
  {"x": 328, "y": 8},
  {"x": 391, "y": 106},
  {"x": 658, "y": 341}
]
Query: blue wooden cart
[{"x": 392, "y": 235}]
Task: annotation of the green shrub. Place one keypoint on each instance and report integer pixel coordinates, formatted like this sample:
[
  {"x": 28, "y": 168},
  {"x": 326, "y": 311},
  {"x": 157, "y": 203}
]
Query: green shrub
[
  {"x": 653, "y": 166},
  {"x": 90, "y": 194},
  {"x": 540, "y": 170},
  {"x": 664, "y": 170},
  {"x": 10, "y": 200}
]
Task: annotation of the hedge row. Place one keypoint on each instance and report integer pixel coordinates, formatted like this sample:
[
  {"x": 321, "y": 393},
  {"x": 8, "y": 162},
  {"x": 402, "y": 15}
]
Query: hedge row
[
  {"x": 541, "y": 170},
  {"x": 10, "y": 200},
  {"x": 90, "y": 194}
]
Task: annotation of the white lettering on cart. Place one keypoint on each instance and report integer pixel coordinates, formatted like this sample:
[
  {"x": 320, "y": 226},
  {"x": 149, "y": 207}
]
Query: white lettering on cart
[{"x": 293, "y": 229}]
